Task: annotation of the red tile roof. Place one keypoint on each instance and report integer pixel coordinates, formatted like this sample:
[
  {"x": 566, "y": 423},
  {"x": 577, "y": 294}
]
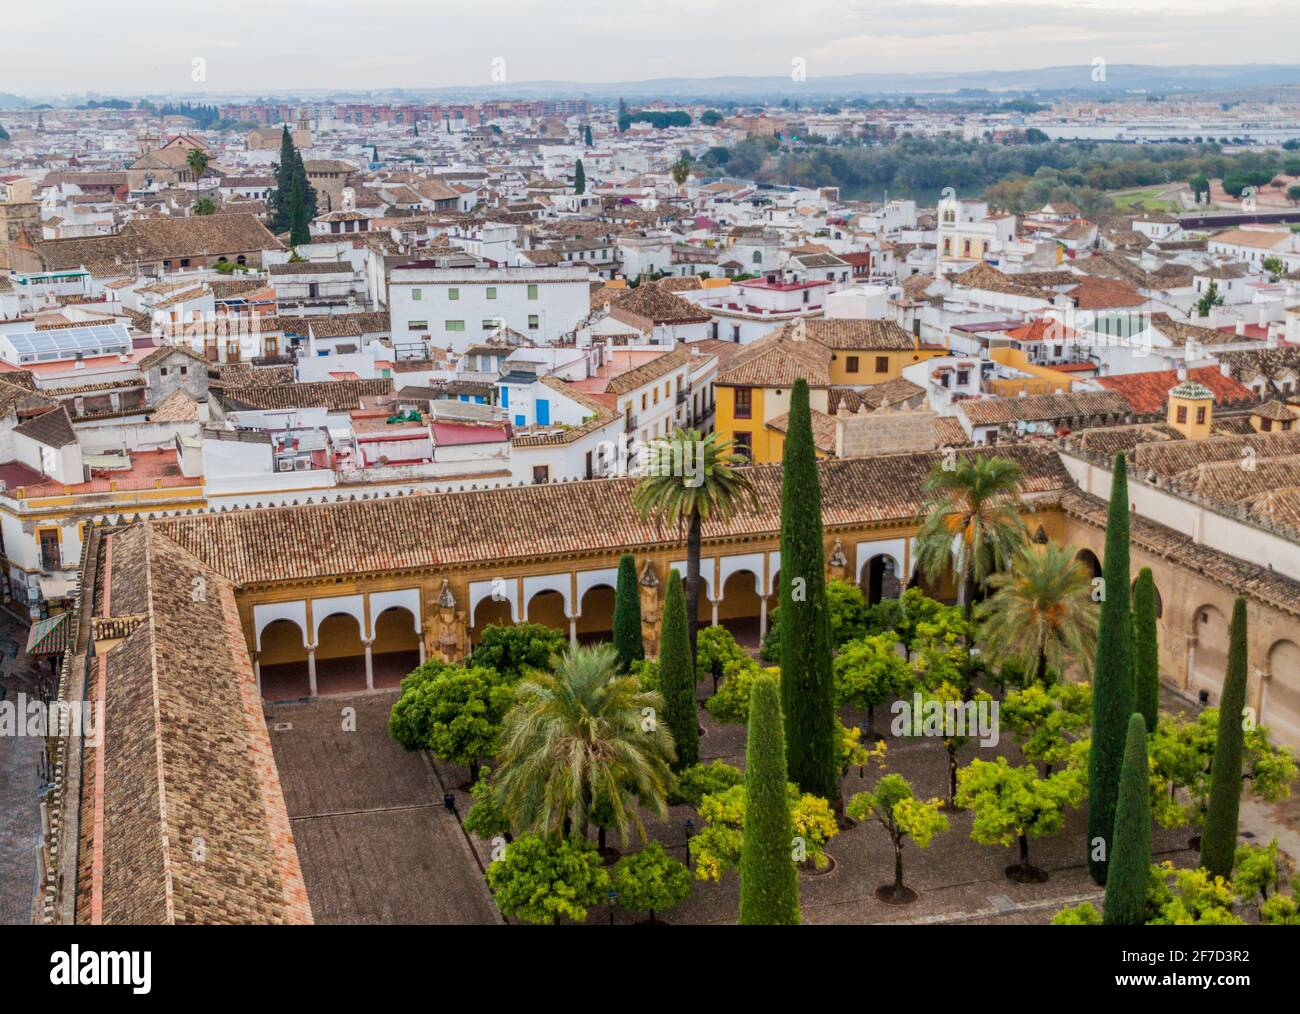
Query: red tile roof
[{"x": 1149, "y": 392}]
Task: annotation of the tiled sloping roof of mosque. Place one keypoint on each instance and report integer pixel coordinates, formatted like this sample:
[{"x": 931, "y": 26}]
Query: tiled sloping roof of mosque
[
  {"x": 474, "y": 526},
  {"x": 186, "y": 755}
]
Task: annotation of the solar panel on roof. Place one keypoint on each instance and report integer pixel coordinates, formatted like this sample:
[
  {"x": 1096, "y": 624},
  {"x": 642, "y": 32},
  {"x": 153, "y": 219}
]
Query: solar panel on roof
[{"x": 66, "y": 343}]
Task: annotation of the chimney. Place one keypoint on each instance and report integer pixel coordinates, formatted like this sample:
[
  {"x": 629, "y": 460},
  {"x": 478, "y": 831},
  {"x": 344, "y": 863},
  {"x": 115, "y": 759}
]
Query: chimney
[
  {"x": 1263, "y": 316},
  {"x": 1273, "y": 335},
  {"x": 1240, "y": 327},
  {"x": 1182, "y": 373},
  {"x": 1224, "y": 368}
]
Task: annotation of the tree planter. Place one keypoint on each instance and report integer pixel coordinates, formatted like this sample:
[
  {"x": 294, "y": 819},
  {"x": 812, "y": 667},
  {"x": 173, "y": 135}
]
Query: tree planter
[
  {"x": 807, "y": 869},
  {"x": 891, "y": 894},
  {"x": 1027, "y": 874},
  {"x": 1022, "y": 872}
]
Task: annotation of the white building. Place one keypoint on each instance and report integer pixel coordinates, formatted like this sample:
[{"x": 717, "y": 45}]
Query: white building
[{"x": 457, "y": 307}]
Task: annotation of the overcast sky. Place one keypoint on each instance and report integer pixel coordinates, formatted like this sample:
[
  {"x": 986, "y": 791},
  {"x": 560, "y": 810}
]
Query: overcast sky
[{"x": 135, "y": 46}]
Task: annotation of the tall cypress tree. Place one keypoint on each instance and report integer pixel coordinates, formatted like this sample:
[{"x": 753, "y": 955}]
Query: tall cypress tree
[
  {"x": 1112, "y": 689},
  {"x": 1130, "y": 861},
  {"x": 579, "y": 178},
  {"x": 298, "y": 221},
  {"x": 284, "y": 173},
  {"x": 807, "y": 688},
  {"x": 1146, "y": 648},
  {"x": 769, "y": 885},
  {"x": 1219, "y": 836},
  {"x": 627, "y": 615},
  {"x": 677, "y": 676}
]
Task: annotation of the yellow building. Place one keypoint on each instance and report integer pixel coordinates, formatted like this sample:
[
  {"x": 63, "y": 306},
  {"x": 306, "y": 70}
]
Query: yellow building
[
  {"x": 753, "y": 389},
  {"x": 1191, "y": 409}
]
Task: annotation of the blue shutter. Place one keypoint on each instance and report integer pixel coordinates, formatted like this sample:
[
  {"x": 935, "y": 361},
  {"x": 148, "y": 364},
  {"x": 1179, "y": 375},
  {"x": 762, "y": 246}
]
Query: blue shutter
[
  {"x": 543, "y": 412},
  {"x": 520, "y": 421},
  {"x": 505, "y": 396}
]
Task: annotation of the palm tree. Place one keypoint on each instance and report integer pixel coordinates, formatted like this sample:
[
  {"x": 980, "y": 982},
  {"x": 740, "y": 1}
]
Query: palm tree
[
  {"x": 579, "y": 736},
  {"x": 973, "y": 527},
  {"x": 689, "y": 479},
  {"x": 1042, "y": 612},
  {"x": 198, "y": 161}
]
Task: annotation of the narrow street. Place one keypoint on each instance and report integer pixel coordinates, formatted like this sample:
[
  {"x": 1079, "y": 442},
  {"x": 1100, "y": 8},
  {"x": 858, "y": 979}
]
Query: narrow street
[{"x": 19, "y": 783}]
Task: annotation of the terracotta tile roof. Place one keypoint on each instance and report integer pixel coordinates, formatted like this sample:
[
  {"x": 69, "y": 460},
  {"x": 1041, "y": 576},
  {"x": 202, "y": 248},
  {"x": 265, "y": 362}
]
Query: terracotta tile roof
[
  {"x": 1042, "y": 407},
  {"x": 1276, "y": 411},
  {"x": 186, "y": 756},
  {"x": 990, "y": 279},
  {"x": 1229, "y": 481},
  {"x": 1174, "y": 457},
  {"x": 388, "y": 534},
  {"x": 1179, "y": 333},
  {"x": 153, "y": 239},
  {"x": 176, "y": 407},
  {"x": 54, "y": 429},
  {"x": 849, "y": 334},
  {"x": 778, "y": 360},
  {"x": 1104, "y": 294},
  {"x": 335, "y": 395},
  {"x": 823, "y": 429},
  {"x": 646, "y": 372},
  {"x": 1108, "y": 441},
  {"x": 1148, "y": 393},
  {"x": 1276, "y": 506},
  {"x": 655, "y": 303}
]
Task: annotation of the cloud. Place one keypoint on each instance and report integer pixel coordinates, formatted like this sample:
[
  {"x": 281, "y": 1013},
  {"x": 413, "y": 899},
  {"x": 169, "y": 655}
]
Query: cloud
[{"x": 146, "y": 46}]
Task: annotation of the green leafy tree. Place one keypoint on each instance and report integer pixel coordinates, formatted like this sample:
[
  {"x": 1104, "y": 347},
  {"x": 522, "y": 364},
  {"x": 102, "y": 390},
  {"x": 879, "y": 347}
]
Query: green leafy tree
[
  {"x": 677, "y": 677},
  {"x": 1273, "y": 267},
  {"x": 689, "y": 480},
  {"x": 1200, "y": 187},
  {"x": 543, "y": 879},
  {"x": 730, "y": 705},
  {"x": 486, "y": 818},
  {"x": 651, "y": 881},
  {"x": 1014, "y": 804},
  {"x": 1130, "y": 859},
  {"x": 451, "y": 711},
  {"x": 715, "y": 649},
  {"x": 1219, "y": 839},
  {"x": 717, "y": 847},
  {"x": 973, "y": 526},
  {"x": 1189, "y": 898},
  {"x": 579, "y": 178},
  {"x": 847, "y": 610},
  {"x": 710, "y": 117},
  {"x": 1047, "y": 721},
  {"x": 627, "y": 615},
  {"x": 769, "y": 889},
  {"x": 869, "y": 672},
  {"x": 586, "y": 136},
  {"x": 1211, "y": 298},
  {"x": 930, "y": 709},
  {"x": 203, "y": 206},
  {"x": 1112, "y": 690},
  {"x": 1257, "y": 870},
  {"x": 1085, "y": 914},
  {"x": 1182, "y": 752},
  {"x": 1146, "y": 649},
  {"x": 519, "y": 649},
  {"x": 893, "y": 803},
  {"x": 807, "y": 685},
  {"x": 701, "y": 780},
  {"x": 1041, "y": 613},
  {"x": 578, "y": 736}
]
